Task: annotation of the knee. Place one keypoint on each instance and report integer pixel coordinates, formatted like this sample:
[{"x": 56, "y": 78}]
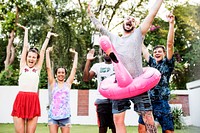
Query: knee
[{"x": 141, "y": 128}]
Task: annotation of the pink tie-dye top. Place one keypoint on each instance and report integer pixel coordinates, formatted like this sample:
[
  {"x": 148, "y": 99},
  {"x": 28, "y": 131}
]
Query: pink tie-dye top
[{"x": 60, "y": 107}]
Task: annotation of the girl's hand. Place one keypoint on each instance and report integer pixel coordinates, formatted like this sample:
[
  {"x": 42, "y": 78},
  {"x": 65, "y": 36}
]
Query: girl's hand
[
  {"x": 21, "y": 26},
  {"x": 49, "y": 49},
  {"x": 52, "y": 34},
  {"x": 72, "y": 51},
  {"x": 170, "y": 17}
]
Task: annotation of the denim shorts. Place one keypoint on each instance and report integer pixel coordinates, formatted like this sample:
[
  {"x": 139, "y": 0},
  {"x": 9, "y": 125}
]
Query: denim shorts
[
  {"x": 141, "y": 103},
  {"x": 162, "y": 114},
  {"x": 60, "y": 122}
]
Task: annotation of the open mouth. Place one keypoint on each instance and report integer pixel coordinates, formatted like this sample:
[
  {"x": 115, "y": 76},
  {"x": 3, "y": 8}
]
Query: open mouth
[{"x": 129, "y": 24}]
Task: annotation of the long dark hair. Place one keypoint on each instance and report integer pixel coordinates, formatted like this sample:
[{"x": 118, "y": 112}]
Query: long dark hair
[{"x": 56, "y": 70}]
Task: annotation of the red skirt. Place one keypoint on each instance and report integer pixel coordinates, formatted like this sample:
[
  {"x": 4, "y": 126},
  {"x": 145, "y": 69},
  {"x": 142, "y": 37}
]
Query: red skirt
[{"x": 26, "y": 105}]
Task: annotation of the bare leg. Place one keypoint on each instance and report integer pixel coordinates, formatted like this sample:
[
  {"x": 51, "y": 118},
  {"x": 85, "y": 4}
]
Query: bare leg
[
  {"x": 31, "y": 125},
  {"x": 119, "y": 122},
  {"x": 19, "y": 124},
  {"x": 65, "y": 129},
  {"x": 141, "y": 128},
  {"x": 53, "y": 128},
  {"x": 169, "y": 131},
  {"x": 149, "y": 121}
]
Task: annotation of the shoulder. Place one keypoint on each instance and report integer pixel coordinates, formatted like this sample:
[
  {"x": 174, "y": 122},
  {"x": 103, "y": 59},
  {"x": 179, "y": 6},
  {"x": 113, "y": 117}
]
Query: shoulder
[{"x": 68, "y": 85}]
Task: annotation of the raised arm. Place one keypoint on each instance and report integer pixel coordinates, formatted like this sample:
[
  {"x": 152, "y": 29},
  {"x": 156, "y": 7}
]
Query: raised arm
[
  {"x": 145, "y": 25},
  {"x": 44, "y": 46},
  {"x": 170, "y": 37},
  {"x": 74, "y": 67},
  {"x": 88, "y": 75},
  {"x": 98, "y": 25},
  {"x": 145, "y": 52},
  {"x": 48, "y": 66},
  {"x": 25, "y": 46}
]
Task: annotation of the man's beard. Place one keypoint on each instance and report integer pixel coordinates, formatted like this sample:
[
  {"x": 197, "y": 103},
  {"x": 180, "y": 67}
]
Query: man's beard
[{"x": 130, "y": 30}]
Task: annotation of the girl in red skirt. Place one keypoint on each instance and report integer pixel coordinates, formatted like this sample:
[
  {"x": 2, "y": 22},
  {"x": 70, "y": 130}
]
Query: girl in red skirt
[{"x": 26, "y": 107}]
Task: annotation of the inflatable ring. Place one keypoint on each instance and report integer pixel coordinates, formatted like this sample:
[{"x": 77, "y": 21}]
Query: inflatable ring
[{"x": 122, "y": 85}]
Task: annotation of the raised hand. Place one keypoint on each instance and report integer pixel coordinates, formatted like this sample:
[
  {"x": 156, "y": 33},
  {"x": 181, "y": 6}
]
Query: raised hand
[
  {"x": 90, "y": 55},
  {"x": 89, "y": 9},
  {"x": 21, "y": 26},
  {"x": 49, "y": 49},
  {"x": 52, "y": 34},
  {"x": 170, "y": 17},
  {"x": 72, "y": 50}
]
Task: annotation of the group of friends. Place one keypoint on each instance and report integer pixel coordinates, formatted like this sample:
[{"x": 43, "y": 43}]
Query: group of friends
[{"x": 152, "y": 106}]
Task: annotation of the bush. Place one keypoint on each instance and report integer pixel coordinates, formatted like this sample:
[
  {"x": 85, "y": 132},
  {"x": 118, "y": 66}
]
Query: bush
[
  {"x": 9, "y": 76},
  {"x": 177, "y": 115}
]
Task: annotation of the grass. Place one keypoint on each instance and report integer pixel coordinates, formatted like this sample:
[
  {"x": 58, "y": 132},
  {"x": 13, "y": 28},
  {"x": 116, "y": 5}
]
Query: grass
[{"x": 43, "y": 128}]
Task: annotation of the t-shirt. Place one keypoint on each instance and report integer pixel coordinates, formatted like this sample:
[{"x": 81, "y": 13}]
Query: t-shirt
[
  {"x": 102, "y": 70},
  {"x": 161, "y": 90},
  {"x": 129, "y": 50}
]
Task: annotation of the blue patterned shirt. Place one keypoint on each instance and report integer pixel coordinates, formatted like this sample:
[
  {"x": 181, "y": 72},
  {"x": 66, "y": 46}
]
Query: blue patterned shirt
[{"x": 162, "y": 91}]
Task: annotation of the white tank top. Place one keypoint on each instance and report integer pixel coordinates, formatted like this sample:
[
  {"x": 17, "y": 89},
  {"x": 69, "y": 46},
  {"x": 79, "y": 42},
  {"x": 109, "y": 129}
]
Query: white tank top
[{"x": 29, "y": 79}]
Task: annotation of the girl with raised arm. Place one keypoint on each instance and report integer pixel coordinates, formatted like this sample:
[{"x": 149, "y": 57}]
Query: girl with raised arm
[
  {"x": 26, "y": 107},
  {"x": 59, "y": 112}
]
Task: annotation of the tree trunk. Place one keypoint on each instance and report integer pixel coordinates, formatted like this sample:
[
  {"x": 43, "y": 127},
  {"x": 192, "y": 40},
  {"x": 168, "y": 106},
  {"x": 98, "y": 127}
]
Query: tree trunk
[{"x": 10, "y": 50}]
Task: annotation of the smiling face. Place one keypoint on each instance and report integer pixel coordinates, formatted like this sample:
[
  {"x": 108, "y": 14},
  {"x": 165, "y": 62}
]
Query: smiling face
[
  {"x": 129, "y": 24},
  {"x": 60, "y": 74},
  {"x": 31, "y": 59},
  {"x": 159, "y": 53}
]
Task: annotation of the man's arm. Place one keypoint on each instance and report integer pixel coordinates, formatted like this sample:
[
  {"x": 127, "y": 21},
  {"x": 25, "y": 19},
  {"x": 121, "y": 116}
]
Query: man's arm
[
  {"x": 145, "y": 52},
  {"x": 88, "y": 75},
  {"x": 98, "y": 25},
  {"x": 170, "y": 37},
  {"x": 145, "y": 25}
]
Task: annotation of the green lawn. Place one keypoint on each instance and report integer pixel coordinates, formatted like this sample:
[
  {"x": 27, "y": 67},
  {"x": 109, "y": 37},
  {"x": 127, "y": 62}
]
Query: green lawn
[{"x": 43, "y": 128}]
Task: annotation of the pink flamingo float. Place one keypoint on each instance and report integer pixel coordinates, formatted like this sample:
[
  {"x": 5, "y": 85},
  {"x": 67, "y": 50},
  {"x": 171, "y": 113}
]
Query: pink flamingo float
[{"x": 125, "y": 86}]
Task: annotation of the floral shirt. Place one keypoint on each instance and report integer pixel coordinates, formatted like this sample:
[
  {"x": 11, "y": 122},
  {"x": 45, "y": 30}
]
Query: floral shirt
[
  {"x": 162, "y": 91},
  {"x": 60, "y": 107}
]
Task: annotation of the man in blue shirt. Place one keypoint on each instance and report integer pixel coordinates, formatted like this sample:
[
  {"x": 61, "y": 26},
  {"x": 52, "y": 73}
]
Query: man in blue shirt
[{"x": 160, "y": 94}]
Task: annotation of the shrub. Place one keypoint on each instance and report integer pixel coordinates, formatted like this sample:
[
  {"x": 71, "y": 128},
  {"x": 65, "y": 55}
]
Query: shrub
[{"x": 177, "y": 115}]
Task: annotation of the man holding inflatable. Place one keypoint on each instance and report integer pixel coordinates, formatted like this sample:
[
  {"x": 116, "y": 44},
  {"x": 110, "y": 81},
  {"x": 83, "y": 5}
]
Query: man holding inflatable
[
  {"x": 128, "y": 48},
  {"x": 160, "y": 94}
]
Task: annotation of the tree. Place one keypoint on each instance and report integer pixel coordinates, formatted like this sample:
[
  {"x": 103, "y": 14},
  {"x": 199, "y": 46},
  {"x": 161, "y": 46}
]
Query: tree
[{"x": 69, "y": 19}]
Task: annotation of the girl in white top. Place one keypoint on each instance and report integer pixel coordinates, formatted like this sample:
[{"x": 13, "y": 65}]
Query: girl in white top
[{"x": 26, "y": 108}]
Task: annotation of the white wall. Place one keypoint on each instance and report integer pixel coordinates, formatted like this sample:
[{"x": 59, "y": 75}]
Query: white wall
[
  {"x": 8, "y": 94},
  {"x": 194, "y": 99}
]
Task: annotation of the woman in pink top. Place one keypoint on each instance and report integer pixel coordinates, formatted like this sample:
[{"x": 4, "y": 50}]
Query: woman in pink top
[
  {"x": 59, "y": 111},
  {"x": 26, "y": 107}
]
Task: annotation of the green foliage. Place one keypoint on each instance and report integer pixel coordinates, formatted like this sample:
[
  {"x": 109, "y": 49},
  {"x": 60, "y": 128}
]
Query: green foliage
[
  {"x": 43, "y": 79},
  {"x": 75, "y": 30},
  {"x": 9, "y": 76},
  {"x": 177, "y": 114}
]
